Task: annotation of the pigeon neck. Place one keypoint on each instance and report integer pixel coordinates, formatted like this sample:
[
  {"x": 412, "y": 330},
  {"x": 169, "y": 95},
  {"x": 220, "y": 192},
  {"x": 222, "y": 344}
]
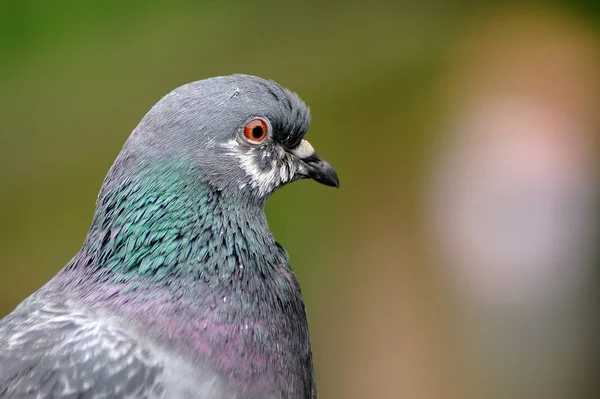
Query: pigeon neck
[
  {"x": 166, "y": 227},
  {"x": 200, "y": 273}
]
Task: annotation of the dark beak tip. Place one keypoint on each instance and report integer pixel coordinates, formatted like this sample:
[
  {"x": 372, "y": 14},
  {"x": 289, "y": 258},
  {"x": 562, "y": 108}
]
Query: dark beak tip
[
  {"x": 328, "y": 182},
  {"x": 320, "y": 171},
  {"x": 325, "y": 174},
  {"x": 335, "y": 181}
]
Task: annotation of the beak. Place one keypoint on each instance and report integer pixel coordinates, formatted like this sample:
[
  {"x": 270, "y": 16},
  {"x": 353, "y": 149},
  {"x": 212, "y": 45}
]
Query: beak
[{"x": 315, "y": 167}]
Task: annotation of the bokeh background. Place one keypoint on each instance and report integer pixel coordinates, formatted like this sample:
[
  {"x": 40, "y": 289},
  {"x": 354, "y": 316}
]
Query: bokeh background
[{"x": 458, "y": 258}]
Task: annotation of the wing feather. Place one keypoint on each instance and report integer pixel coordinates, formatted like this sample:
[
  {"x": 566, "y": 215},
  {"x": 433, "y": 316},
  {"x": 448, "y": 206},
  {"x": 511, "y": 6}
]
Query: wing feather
[{"x": 51, "y": 351}]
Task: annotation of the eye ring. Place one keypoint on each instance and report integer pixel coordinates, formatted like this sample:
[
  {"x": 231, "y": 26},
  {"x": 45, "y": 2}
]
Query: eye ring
[{"x": 256, "y": 130}]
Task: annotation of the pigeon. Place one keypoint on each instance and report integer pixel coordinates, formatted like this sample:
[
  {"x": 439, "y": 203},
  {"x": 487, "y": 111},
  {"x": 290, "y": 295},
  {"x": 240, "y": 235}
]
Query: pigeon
[{"x": 180, "y": 289}]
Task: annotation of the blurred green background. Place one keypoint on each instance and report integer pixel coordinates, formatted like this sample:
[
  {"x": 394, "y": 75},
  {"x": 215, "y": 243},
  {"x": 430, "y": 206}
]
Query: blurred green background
[{"x": 77, "y": 76}]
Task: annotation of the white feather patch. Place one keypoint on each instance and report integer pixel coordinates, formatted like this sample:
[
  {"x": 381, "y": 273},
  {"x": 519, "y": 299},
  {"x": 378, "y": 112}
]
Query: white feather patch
[{"x": 264, "y": 182}]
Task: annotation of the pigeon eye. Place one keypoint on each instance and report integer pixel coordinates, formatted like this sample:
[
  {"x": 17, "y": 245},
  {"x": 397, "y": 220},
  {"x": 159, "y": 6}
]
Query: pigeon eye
[{"x": 256, "y": 130}]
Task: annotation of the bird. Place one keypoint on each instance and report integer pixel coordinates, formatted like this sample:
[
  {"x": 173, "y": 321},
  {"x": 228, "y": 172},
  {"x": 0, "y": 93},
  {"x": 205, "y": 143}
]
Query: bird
[{"x": 180, "y": 289}]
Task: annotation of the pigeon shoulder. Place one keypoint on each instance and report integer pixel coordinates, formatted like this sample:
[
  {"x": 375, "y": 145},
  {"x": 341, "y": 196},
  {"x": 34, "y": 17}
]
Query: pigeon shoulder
[{"x": 50, "y": 350}]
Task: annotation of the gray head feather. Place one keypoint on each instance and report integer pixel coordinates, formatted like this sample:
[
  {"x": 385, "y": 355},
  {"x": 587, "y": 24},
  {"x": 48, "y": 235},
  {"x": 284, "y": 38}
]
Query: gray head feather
[{"x": 200, "y": 123}]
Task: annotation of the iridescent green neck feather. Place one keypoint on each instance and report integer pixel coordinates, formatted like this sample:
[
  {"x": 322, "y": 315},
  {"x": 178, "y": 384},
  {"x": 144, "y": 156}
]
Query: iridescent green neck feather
[{"x": 162, "y": 225}]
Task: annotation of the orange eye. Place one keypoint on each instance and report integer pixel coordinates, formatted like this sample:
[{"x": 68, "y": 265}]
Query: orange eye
[{"x": 256, "y": 130}]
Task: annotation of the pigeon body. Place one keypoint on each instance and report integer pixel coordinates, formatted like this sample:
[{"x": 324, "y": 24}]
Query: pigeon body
[{"x": 180, "y": 289}]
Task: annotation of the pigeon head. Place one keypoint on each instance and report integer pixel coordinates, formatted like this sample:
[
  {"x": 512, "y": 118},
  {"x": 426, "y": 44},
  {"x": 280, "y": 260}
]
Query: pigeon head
[{"x": 238, "y": 134}]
